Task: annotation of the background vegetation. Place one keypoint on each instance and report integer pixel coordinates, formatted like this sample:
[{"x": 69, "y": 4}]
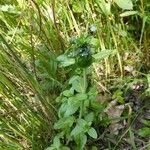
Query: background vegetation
[{"x": 34, "y": 33}]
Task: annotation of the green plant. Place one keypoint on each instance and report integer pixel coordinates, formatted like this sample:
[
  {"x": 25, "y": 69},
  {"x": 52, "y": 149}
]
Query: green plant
[
  {"x": 144, "y": 132},
  {"x": 78, "y": 106}
]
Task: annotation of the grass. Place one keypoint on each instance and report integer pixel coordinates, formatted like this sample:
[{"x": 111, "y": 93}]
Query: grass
[{"x": 34, "y": 33}]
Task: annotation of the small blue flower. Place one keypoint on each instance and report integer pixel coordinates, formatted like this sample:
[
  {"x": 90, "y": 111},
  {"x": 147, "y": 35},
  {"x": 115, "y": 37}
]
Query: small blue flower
[{"x": 93, "y": 28}]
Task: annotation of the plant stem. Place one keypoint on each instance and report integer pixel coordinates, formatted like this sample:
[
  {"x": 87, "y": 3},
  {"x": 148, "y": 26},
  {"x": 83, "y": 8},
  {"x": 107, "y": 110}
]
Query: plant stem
[
  {"x": 84, "y": 81},
  {"x": 84, "y": 91}
]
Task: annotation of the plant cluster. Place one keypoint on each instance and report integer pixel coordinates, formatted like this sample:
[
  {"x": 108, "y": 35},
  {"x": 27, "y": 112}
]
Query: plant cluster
[{"x": 79, "y": 110}]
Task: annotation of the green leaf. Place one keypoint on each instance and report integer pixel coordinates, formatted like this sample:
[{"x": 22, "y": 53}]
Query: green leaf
[
  {"x": 92, "y": 132},
  {"x": 94, "y": 148},
  {"x": 67, "y": 93},
  {"x": 72, "y": 106},
  {"x": 81, "y": 96},
  {"x": 65, "y": 148},
  {"x": 89, "y": 117},
  {"x": 72, "y": 79},
  {"x": 93, "y": 90},
  {"x": 105, "y": 7},
  {"x": 64, "y": 122},
  {"x": 81, "y": 127},
  {"x": 94, "y": 41},
  {"x": 77, "y": 130},
  {"x": 146, "y": 122},
  {"x": 118, "y": 95},
  {"x": 124, "y": 4},
  {"x": 77, "y": 84},
  {"x": 58, "y": 99},
  {"x": 56, "y": 142},
  {"x": 81, "y": 140},
  {"x": 103, "y": 54},
  {"x": 144, "y": 132},
  {"x": 128, "y": 13},
  {"x": 62, "y": 109},
  {"x": 65, "y": 61}
]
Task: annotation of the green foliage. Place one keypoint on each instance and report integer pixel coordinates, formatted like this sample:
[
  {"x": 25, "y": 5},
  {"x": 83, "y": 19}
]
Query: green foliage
[
  {"x": 79, "y": 53},
  {"x": 74, "y": 106},
  {"x": 144, "y": 132},
  {"x": 110, "y": 35},
  {"x": 103, "y": 54},
  {"x": 83, "y": 52},
  {"x": 146, "y": 122},
  {"x": 76, "y": 116},
  {"x": 118, "y": 95},
  {"x": 124, "y": 4}
]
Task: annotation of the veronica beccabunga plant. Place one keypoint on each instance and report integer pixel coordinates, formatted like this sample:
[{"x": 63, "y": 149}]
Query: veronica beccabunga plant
[{"x": 78, "y": 106}]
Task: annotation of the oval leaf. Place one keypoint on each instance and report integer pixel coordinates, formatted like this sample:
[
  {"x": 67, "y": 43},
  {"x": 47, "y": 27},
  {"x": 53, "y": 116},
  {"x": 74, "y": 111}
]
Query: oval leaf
[
  {"x": 64, "y": 122},
  {"x": 103, "y": 54},
  {"x": 128, "y": 13},
  {"x": 89, "y": 117},
  {"x": 92, "y": 132},
  {"x": 124, "y": 4},
  {"x": 72, "y": 107},
  {"x": 65, "y": 61}
]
